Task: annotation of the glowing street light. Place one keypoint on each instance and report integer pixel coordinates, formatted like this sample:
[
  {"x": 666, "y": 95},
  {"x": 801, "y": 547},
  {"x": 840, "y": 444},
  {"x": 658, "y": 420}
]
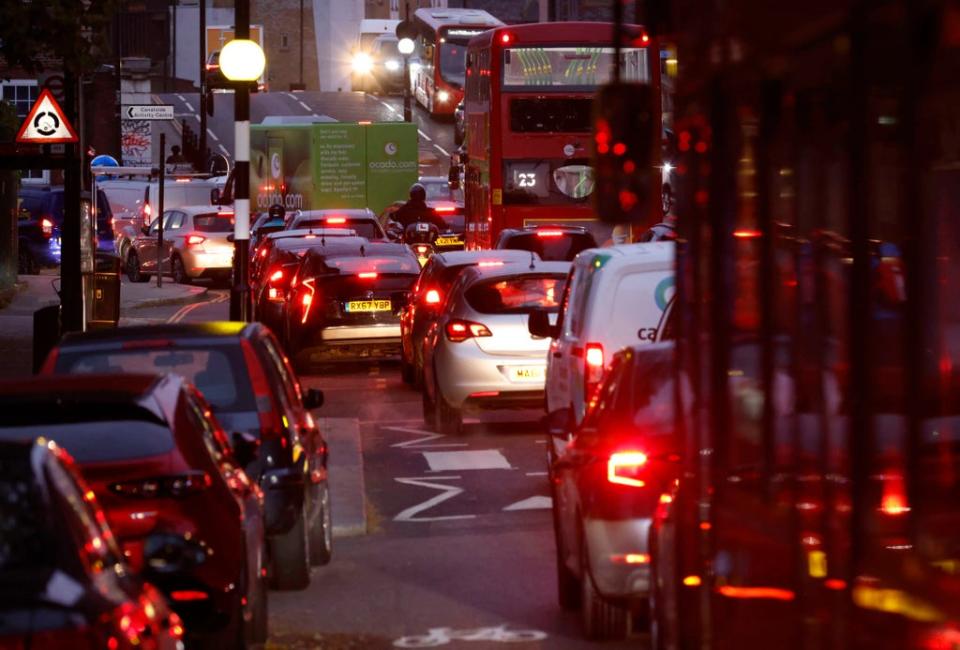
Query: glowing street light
[{"x": 242, "y": 60}]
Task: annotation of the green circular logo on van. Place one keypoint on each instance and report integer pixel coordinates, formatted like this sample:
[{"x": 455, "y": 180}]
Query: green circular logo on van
[{"x": 663, "y": 294}]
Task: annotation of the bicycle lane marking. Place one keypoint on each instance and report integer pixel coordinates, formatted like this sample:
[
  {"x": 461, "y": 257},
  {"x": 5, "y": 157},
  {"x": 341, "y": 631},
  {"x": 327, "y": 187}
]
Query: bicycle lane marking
[{"x": 437, "y": 636}]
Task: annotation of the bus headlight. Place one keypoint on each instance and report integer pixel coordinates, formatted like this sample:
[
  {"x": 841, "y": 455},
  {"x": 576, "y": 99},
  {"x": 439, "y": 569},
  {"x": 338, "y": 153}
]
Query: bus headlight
[
  {"x": 443, "y": 96},
  {"x": 362, "y": 63},
  {"x": 392, "y": 65}
]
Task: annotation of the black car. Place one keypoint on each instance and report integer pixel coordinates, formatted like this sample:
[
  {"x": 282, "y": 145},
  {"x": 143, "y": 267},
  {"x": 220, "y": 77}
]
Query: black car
[
  {"x": 362, "y": 221},
  {"x": 346, "y": 298},
  {"x": 41, "y": 221},
  {"x": 55, "y": 535},
  {"x": 251, "y": 386},
  {"x": 558, "y": 243}
]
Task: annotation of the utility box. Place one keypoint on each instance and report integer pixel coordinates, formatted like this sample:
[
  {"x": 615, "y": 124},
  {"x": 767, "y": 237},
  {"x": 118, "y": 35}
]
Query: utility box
[
  {"x": 103, "y": 310},
  {"x": 332, "y": 165}
]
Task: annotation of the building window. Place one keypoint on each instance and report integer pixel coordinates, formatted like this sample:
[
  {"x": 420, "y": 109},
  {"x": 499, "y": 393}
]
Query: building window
[
  {"x": 21, "y": 94},
  {"x": 284, "y": 41}
]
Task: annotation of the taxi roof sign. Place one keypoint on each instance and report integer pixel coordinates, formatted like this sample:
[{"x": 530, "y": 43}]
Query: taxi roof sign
[{"x": 46, "y": 123}]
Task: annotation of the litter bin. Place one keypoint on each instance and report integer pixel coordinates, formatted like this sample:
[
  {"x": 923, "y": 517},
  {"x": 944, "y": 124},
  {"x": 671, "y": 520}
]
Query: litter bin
[
  {"x": 46, "y": 333},
  {"x": 104, "y": 308}
]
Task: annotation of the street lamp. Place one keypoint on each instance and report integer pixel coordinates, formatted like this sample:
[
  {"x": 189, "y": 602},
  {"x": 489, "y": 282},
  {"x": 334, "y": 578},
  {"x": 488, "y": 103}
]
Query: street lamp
[
  {"x": 241, "y": 61},
  {"x": 405, "y": 46}
]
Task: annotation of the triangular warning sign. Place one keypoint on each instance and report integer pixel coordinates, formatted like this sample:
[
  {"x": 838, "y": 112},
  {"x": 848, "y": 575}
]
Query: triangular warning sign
[{"x": 46, "y": 123}]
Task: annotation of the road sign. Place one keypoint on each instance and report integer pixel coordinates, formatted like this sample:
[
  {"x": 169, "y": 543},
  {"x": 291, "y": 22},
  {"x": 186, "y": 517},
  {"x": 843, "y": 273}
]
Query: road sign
[
  {"x": 46, "y": 123},
  {"x": 148, "y": 112}
]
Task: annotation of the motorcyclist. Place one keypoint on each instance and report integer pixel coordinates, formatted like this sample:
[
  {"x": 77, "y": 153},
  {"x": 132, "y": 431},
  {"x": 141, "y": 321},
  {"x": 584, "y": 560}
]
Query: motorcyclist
[{"x": 416, "y": 209}]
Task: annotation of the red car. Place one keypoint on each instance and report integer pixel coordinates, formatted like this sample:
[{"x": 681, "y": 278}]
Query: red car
[
  {"x": 65, "y": 584},
  {"x": 176, "y": 496}
]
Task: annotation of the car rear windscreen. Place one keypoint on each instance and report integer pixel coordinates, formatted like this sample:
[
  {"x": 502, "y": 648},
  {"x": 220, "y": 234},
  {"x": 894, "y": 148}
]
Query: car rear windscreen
[
  {"x": 25, "y": 535},
  {"x": 219, "y": 372},
  {"x": 559, "y": 247},
  {"x": 213, "y": 223},
  {"x": 99, "y": 440},
  {"x": 362, "y": 227},
  {"x": 517, "y": 294}
]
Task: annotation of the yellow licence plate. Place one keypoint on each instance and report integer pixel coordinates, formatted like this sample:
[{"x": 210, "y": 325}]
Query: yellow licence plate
[
  {"x": 356, "y": 306},
  {"x": 448, "y": 241},
  {"x": 527, "y": 373}
]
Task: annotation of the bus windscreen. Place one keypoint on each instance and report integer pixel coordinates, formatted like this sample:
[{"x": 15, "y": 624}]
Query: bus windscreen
[{"x": 568, "y": 68}]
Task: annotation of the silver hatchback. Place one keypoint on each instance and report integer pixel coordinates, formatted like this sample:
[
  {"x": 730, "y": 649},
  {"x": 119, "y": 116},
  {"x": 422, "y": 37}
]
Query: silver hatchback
[{"x": 480, "y": 354}]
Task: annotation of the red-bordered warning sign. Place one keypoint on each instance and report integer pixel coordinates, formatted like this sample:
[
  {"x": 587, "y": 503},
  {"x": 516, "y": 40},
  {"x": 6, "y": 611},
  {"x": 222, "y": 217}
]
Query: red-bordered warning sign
[{"x": 46, "y": 123}]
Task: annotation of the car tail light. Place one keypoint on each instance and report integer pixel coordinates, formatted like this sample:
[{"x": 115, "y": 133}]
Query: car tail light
[
  {"x": 270, "y": 422},
  {"x": 367, "y": 275},
  {"x": 593, "y": 368},
  {"x": 549, "y": 233},
  {"x": 193, "y": 240},
  {"x": 263, "y": 252},
  {"x": 336, "y": 220},
  {"x": 188, "y": 595},
  {"x": 626, "y": 468},
  {"x": 276, "y": 276},
  {"x": 445, "y": 209},
  {"x": 306, "y": 298},
  {"x": 50, "y": 364},
  {"x": 46, "y": 227},
  {"x": 431, "y": 297},
  {"x": 461, "y": 330},
  {"x": 176, "y": 486},
  {"x": 421, "y": 249},
  {"x": 484, "y": 265}
]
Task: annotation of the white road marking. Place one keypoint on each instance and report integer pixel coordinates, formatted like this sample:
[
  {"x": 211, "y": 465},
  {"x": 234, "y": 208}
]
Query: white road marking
[
  {"x": 192, "y": 110},
  {"x": 537, "y": 473},
  {"x": 533, "y": 503},
  {"x": 442, "y": 150},
  {"x": 452, "y": 461},
  {"x": 182, "y": 99},
  {"x": 447, "y": 492},
  {"x": 193, "y": 115},
  {"x": 422, "y": 135},
  {"x": 212, "y": 135},
  {"x": 291, "y": 96},
  {"x": 437, "y": 636},
  {"x": 225, "y": 153},
  {"x": 305, "y": 107},
  {"x": 314, "y": 115},
  {"x": 424, "y": 437}
]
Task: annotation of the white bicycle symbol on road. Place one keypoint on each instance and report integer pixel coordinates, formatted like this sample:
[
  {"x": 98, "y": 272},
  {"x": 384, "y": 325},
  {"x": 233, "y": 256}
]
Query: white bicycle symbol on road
[{"x": 444, "y": 635}]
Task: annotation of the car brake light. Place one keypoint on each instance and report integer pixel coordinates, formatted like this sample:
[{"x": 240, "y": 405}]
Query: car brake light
[
  {"x": 461, "y": 330},
  {"x": 306, "y": 299},
  {"x": 336, "y": 220},
  {"x": 431, "y": 297},
  {"x": 193, "y": 240},
  {"x": 46, "y": 227},
  {"x": 276, "y": 276},
  {"x": 625, "y": 467},
  {"x": 593, "y": 369},
  {"x": 549, "y": 233},
  {"x": 270, "y": 423},
  {"x": 484, "y": 265},
  {"x": 367, "y": 275},
  {"x": 176, "y": 487},
  {"x": 187, "y": 595},
  {"x": 263, "y": 252},
  {"x": 445, "y": 209}
]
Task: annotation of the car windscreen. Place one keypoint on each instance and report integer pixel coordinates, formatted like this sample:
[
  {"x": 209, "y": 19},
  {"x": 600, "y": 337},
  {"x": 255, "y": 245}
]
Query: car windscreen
[
  {"x": 354, "y": 265},
  {"x": 551, "y": 246},
  {"x": 97, "y": 439},
  {"x": 362, "y": 227},
  {"x": 219, "y": 372},
  {"x": 516, "y": 294},
  {"x": 213, "y": 223},
  {"x": 348, "y": 287},
  {"x": 437, "y": 190},
  {"x": 455, "y": 222}
]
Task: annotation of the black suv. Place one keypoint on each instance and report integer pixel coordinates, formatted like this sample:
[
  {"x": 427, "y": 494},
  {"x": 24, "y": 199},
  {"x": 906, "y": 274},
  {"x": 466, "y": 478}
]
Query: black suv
[
  {"x": 553, "y": 243},
  {"x": 40, "y": 224}
]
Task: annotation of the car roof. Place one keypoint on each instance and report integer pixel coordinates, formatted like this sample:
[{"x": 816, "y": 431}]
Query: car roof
[
  {"x": 453, "y": 258},
  {"x": 341, "y": 248},
  {"x": 317, "y": 241},
  {"x": 300, "y": 233},
  {"x": 333, "y": 212},
  {"x": 648, "y": 252},
  {"x": 476, "y": 273},
  {"x": 566, "y": 228},
  {"x": 192, "y": 210},
  {"x": 208, "y": 329},
  {"x": 641, "y": 350}
]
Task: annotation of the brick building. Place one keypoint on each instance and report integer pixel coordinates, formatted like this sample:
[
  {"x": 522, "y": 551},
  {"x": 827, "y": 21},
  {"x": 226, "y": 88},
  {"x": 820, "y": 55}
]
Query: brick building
[{"x": 286, "y": 25}]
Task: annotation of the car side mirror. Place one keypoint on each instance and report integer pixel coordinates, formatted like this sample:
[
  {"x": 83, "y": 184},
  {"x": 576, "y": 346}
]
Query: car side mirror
[
  {"x": 246, "y": 447},
  {"x": 559, "y": 423},
  {"x": 539, "y": 325},
  {"x": 313, "y": 398}
]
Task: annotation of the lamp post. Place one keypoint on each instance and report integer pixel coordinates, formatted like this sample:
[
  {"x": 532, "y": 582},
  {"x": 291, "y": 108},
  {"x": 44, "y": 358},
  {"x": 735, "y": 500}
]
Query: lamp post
[
  {"x": 242, "y": 61},
  {"x": 406, "y": 45}
]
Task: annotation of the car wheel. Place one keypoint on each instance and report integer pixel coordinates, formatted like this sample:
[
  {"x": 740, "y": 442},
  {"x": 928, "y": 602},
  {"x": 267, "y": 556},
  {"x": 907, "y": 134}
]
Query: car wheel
[
  {"x": 601, "y": 619},
  {"x": 26, "y": 264},
  {"x": 289, "y": 554},
  {"x": 321, "y": 529},
  {"x": 133, "y": 269},
  {"x": 449, "y": 420},
  {"x": 178, "y": 271},
  {"x": 429, "y": 410}
]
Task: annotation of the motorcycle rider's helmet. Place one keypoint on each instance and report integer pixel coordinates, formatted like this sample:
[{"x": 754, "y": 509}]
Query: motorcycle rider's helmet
[{"x": 418, "y": 192}]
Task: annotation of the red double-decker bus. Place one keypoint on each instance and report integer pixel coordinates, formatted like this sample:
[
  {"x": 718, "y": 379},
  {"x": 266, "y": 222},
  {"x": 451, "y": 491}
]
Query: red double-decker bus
[
  {"x": 529, "y": 96},
  {"x": 442, "y": 37}
]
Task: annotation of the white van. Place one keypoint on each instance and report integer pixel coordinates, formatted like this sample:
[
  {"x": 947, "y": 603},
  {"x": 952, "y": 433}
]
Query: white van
[
  {"x": 138, "y": 200},
  {"x": 615, "y": 297}
]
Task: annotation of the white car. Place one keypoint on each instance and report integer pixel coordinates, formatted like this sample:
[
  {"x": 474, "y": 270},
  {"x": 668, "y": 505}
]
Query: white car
[
  {"x": 615, "y": 297},
  {"x": 479, "y": 353}
]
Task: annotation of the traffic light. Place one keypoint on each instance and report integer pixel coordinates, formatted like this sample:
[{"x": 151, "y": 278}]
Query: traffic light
[{"x": 626, "y": 141}]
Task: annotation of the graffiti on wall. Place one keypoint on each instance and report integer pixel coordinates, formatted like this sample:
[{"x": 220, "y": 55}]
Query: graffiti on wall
[{"x": 135, "y": 142}]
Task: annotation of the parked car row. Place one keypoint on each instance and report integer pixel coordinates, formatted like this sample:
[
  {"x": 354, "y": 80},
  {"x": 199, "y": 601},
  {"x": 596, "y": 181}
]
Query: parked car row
[{"x": 203, "y": 482}]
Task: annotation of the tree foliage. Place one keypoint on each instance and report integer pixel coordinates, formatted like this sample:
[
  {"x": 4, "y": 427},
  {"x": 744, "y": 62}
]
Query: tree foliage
[{"x": 74, "y": 31}]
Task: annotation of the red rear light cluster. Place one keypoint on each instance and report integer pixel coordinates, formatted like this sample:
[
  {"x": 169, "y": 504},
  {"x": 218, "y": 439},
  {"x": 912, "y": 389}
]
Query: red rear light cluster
[
  {"x": 46, "y": 227},
  {"x": 195, "y": 240},
  {"x": 461, "y": 330},
  {"x": 445, "y": 209},
  {"x": 592, "y": 369},
  {"x": 306, "y": 298},
  {"x": 431, "y": 297},
  {"x": 163, "y": 487},
  {"x": 626, "y": 468}
]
